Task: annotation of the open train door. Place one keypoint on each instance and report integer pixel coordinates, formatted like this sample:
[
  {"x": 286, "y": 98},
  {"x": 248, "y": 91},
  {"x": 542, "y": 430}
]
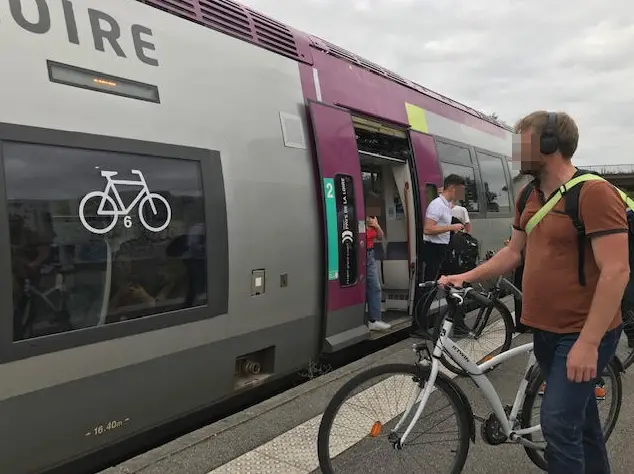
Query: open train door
[
  {"x": 344, "y": 213},
  {"x": 429, "y": 179}
]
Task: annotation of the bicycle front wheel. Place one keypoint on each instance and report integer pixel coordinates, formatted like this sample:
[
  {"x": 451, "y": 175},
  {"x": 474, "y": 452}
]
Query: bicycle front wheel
[
  {"x": 369, "y": 414},
  {"x": 608, "y": 393}
]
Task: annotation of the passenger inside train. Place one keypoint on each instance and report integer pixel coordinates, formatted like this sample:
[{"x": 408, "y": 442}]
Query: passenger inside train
[{"x": 388, "y": 195}]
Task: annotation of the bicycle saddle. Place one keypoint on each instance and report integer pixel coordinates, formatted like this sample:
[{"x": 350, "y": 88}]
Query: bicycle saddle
[{"x": 108, "y": 174}]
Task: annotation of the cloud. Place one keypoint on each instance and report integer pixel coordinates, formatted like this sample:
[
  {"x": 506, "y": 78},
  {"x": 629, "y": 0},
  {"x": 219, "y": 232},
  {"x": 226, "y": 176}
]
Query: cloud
[{"x": 505, "y": 57}]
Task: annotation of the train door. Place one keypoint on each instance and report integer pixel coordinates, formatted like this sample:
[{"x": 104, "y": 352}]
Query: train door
[
  {"x": 341, "y": 188},
  {"x": 429, "y": 180},
  {"x": 391, "y": 194}
]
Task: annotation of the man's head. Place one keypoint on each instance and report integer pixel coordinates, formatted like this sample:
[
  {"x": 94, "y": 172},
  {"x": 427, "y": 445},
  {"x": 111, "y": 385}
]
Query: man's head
[
  {"x": 453, "y": 187},
  {"x": 546, "y": 140}
]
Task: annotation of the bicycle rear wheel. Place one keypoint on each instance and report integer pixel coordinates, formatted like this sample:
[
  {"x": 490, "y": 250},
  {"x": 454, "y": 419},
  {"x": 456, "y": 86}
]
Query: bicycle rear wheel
[
  {"x": 370, "y": 434},
  {"x": 625, "y": 348},
  {"x": 609, "y": 391},
  {"x": 492, "y": 335}
]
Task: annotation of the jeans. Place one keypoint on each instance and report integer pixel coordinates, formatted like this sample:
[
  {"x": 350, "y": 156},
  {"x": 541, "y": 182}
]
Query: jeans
[
  {"x": 372, "y": 288},
  {"x": 433, "y": 257},
  {"x": 569, "y": 415}
]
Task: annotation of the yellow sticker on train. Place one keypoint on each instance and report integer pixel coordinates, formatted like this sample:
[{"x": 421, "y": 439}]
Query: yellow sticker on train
[{"x": 416, "y": 117}]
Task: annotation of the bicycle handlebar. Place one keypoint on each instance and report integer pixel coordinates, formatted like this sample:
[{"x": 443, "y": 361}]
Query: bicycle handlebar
[{"x": 467, "y": 291}]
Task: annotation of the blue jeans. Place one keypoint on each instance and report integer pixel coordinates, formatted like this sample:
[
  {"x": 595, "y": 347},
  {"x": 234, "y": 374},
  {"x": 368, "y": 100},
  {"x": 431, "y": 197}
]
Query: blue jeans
[
  {"x": 372, "y": 288},
  {"x": 569, "y": 415}
]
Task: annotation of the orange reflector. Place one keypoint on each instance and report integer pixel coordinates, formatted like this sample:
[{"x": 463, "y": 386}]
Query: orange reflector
[
  {"x": 376, "y": 429},
  {"x": 600, "y": 392},
  {"x": 487, "y": 358}
]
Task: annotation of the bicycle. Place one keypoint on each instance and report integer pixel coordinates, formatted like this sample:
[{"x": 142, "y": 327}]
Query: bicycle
[
  {"x": 118, "y": 208},
  {"x": 625, "y": 349},
  {"x": 504, "y": 424},
  {"x": 475, "y": 328}
]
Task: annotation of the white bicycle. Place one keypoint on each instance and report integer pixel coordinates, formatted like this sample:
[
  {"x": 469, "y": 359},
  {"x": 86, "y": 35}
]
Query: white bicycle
[
  {"x": 382, "y": 436},
  {"x": 117, "y": 208}
]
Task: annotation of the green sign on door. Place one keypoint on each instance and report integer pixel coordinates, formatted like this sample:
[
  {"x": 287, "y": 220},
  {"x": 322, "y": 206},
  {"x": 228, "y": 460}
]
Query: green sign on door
[{"x": 331, "y": 228}]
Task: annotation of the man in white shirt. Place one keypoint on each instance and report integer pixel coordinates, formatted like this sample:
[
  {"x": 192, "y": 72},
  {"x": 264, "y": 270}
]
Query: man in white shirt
[
  {"x": 462, "y": 215},
  {"x": 437, "y": 231}
]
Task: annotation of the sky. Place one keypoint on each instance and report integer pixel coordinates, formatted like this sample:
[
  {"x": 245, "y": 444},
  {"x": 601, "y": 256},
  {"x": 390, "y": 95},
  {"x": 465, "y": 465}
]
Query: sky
[{"x": 508, "y": 57}]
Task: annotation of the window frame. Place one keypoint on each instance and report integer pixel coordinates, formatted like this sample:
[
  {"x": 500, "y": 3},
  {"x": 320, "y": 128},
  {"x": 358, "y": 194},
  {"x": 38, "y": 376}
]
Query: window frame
[
  {"x": 212, "y": 183},
  {"x": 474, "y": 166},
  {"x": 503, "y": 159}
]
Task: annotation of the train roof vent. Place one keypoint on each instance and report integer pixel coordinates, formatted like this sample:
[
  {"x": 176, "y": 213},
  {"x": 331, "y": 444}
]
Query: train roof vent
[
  {"x": 339, "y": 52},
  {"x": 226, "y": 16},
  {"x": 273, "y": 35},
  {"x": 371, "y": 66},
  {"x": 183, "y": 8},
  {"x": 397, "y": 78},
  {"x": 335, "y": 50},
  {"x": 236, "y": 20}
]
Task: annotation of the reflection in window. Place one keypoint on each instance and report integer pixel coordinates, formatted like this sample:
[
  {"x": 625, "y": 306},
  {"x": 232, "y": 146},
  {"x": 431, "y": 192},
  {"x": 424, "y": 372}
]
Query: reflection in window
[
  {"x": 372, "y": 183},
  {"x": 83, "y": 257},
  {"x": 495, "y": 186},
  {"x": 470, "y": 202},
  {"x": 453, "y": 153}
]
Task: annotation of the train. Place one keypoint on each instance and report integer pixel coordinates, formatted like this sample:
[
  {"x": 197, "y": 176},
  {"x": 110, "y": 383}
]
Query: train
[{"x": 185, "y": 185}]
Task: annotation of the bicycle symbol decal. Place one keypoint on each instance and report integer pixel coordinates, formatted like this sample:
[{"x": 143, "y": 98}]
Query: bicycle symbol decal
[{"x": 144, "y": 198}]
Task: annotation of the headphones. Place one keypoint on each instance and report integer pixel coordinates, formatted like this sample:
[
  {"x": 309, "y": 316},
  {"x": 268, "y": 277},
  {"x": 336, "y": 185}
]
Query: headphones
[{"x": 548, "y": 141}]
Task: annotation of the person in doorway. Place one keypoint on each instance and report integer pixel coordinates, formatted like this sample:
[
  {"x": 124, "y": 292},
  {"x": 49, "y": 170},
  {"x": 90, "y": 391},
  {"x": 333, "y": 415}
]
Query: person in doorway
[
  {"x": 462, "y": 215},
  {"x": 373, "y": 233},
  {"x": 576, "y": 328},
  {"x": 437, "y": 230}
]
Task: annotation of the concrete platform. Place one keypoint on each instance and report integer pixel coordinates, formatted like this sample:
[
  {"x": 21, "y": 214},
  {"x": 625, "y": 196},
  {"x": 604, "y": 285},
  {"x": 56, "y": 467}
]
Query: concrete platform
[{"x": 280, "y": 435}]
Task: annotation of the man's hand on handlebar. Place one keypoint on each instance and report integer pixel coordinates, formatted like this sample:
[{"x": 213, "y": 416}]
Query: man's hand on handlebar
[{"x": 452, "y": 280}]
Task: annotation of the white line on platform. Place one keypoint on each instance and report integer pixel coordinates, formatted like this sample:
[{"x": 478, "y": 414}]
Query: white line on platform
[{"x": 295, "y": 451}]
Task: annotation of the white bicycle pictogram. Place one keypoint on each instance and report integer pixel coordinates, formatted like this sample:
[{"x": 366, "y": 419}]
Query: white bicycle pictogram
[{"x": 144, "y": 198}]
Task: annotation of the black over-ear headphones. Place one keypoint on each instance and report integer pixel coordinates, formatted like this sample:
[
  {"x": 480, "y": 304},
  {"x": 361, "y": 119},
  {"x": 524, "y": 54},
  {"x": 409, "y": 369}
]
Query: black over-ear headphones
[{"x": 548, "y": 141}]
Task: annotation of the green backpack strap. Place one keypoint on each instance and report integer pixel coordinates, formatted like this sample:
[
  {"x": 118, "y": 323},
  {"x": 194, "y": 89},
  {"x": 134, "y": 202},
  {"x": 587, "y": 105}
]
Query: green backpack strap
[
  {"x": 626, "y": 198},
  {"x": 552, "y": 202}
]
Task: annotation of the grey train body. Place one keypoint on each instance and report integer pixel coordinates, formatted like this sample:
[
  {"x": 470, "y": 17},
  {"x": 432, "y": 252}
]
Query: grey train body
[{"x": 226, "y": 124}]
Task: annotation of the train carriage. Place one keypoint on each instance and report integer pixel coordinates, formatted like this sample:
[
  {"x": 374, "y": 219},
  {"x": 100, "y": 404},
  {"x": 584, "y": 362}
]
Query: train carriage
[{"x": 184, "y": 194}]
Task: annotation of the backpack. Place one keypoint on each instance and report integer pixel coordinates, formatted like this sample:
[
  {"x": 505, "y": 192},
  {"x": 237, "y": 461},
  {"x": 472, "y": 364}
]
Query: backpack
[
  {"x": 462, "y": 253},
  {"x": 570, "y": 191}
]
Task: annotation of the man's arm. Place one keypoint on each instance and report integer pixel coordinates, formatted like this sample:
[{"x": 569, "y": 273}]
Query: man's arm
[
  {"x": 611, "y": 254},
  {"x": 432, "y": 227},
  {"x": 603, "y": 213},
  {"x": 466, "y": 220}
]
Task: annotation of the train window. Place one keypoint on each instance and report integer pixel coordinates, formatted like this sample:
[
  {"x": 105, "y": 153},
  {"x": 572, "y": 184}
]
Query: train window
[
  {"x": 496, "y": 189},
  {"x": 470, "y": 201},
  {"x": 101, "y": 237},
  {"x": 448, "y": 152},
  {"x": 347, "y": 227}
]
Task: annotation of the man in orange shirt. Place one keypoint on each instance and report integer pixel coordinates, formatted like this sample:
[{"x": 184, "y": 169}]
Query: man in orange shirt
[{"x": 576, "y": 328}]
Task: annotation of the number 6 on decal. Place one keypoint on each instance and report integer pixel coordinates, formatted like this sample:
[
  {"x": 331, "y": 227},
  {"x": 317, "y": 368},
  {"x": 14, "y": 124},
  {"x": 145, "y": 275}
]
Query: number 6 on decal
[{"x": 117, "y": 208}]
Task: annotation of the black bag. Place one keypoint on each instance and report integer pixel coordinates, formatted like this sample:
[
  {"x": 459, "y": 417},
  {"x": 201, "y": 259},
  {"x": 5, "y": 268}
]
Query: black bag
[{"x": 462, "y": 253}]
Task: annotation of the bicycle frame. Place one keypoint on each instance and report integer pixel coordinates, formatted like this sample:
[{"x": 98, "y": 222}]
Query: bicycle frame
[
  {"x": 123, "y": 210},
  {"x": 477, "y": 374}
]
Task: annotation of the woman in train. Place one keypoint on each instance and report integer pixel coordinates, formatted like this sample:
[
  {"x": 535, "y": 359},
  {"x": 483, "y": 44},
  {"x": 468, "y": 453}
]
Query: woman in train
[{"x": 373, "y": 284}]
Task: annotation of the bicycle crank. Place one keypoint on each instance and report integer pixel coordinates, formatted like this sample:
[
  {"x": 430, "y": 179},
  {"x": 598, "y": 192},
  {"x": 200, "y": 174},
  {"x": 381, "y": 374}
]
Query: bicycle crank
[{"x": 491, "y": 428}]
